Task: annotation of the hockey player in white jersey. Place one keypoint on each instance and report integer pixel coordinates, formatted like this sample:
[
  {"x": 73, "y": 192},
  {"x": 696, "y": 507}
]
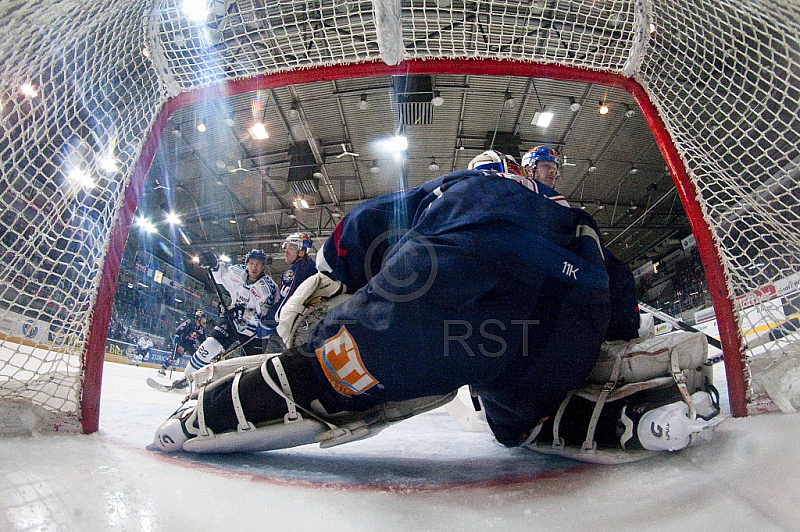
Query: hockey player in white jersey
[
  {"x": 143, "y": 345},
  {"x": 252, "y": 293}
]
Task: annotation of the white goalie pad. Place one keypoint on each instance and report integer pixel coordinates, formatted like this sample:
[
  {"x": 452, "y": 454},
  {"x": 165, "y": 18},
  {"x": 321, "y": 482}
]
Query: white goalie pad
[
  {"x": 649, "y": 358},
  {"x": 299, "y": 426},
  {"x": 269, "y": 437},
  {"x": 627, "y": 368},
  {"x": 217, "y": 370}
]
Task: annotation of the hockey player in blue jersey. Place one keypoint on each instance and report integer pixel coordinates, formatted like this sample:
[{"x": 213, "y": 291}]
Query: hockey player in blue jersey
[
  {"x": 296, "y": 250},
  {"x": 188, "y": 336},
  {"x": 431, "y": 310}
]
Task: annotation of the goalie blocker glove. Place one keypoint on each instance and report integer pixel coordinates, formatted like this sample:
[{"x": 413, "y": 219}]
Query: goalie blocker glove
[{"x": 208, "y": 260}]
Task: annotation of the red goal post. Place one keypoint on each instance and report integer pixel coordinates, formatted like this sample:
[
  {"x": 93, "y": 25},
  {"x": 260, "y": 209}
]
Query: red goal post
[{"x": 671, "y": 74}]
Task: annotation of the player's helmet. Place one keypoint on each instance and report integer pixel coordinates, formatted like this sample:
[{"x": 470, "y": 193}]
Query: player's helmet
[
  {"x": 200, "y": 314},
  {"x": 301, "y": 240},
  {"x": 494, "y": 160},
  {"x": 539, "y": 153},
  {"x": 256, "y": 254}
]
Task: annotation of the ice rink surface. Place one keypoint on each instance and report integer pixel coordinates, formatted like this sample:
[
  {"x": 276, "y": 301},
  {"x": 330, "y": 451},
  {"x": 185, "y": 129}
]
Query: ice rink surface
[{"x": 422, "y": 474}]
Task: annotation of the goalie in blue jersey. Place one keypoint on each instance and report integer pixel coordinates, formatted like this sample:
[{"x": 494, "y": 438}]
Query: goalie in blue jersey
[{"x": 413, "y": 303}]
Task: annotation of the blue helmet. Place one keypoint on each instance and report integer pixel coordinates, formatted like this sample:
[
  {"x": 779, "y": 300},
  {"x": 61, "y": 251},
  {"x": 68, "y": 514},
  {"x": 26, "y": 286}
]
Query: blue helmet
[
  {"x": 539, "y": 153},
  {"x": 256, "y": 254},
  {"x": 494, "y": 160}
]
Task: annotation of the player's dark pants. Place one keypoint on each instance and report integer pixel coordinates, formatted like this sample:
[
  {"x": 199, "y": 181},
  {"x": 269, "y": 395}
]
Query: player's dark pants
[{"x": 227, "y": 335}]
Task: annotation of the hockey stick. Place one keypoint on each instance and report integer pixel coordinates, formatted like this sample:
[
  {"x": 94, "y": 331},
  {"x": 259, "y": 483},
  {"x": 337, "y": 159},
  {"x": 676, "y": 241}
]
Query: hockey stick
[
  {"x": 182, "y": 382},
  {"x": 677, "y": 323},
  {"x": 222, "y": 304}
]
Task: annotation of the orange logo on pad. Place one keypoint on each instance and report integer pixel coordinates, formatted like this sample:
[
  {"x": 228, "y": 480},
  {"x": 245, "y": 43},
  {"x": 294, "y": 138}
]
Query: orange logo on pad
[{"x": 341, "y": 363}]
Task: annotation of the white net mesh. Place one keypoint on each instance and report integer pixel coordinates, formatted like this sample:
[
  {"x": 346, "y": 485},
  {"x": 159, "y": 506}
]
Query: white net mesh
[
  {"x": 83, "y": 82},
  {"x": 77, "y": 98}
]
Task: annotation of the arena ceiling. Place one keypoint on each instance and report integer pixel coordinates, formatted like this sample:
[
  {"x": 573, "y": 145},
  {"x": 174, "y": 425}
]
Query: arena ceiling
[{"x": 234, "y": 192}]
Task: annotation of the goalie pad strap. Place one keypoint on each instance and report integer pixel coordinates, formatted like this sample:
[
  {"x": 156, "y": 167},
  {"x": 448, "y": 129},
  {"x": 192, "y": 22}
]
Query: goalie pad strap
[
  {"x": 680, "y": 381},
  {"x": 205, "y": 432},
  {"x": 237, "y": 403},
  {"x": 557, "y": 441},
  {"x": 589, "y": 444},
  {"x": 292, "y": 415},
  {"x": 285, "y": 391}
]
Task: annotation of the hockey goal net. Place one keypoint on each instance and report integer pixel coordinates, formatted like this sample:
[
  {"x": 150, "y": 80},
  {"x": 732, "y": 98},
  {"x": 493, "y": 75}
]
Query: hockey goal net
[{"x": 86, "y": 90}]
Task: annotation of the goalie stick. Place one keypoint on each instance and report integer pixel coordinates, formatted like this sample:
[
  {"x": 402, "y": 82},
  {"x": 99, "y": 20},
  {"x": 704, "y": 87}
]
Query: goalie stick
[{"x": 677, "y": 323}]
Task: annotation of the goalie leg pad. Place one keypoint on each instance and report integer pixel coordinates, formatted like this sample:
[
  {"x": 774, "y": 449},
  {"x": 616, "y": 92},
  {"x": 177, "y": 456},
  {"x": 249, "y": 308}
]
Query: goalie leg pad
[{"x": 252, "y": 410}]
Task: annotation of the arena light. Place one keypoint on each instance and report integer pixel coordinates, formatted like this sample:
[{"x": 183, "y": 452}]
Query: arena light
[
  {"x": 397, "y": 144},
  {"x": 201, "y": 127},
  {"x": 145, "y": 224},
  {"x": 195, "y": 10},
  {"x": 574, "y": 105},
  {"x": 28, "y": 90},
  {"x": 108, "y": 164},
  {"x": 80, "y": 178},
  {"x": 301, "y": 203},
  {"x": 437, "y": 98},
  {"x": 173, "y": 219},
  {"x": 363, "y": 104},
  {"x": 603, "y": 109},
  {"x": 542, "y": 118},
  {"x": 258, "y": 131}
]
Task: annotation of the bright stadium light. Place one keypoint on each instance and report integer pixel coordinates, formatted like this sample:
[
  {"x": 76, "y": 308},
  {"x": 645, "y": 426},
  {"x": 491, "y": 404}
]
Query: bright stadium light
[
  {"x": 145, "y": 224},
  {"x": 173, "y": 219},
  {"x": 195, "y": 10},
  {"x": 258, "y": 131},
  {"x": 395, "y": 144},
  {"x": 80, "y": 178},
  {"x": 108, "y": 164}
]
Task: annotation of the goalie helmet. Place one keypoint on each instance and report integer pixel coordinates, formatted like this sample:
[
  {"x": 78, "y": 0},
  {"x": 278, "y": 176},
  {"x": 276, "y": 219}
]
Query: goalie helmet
[
  {"x": 539, "y": 153},
  {"x": 494, "y": 160},
  {"x": 301, "y": 240},
  {"x": 256, "y": 254}
]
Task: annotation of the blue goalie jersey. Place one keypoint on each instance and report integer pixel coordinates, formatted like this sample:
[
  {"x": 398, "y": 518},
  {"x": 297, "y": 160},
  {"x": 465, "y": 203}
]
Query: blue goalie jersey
[{"x": 468, "y": 279}]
